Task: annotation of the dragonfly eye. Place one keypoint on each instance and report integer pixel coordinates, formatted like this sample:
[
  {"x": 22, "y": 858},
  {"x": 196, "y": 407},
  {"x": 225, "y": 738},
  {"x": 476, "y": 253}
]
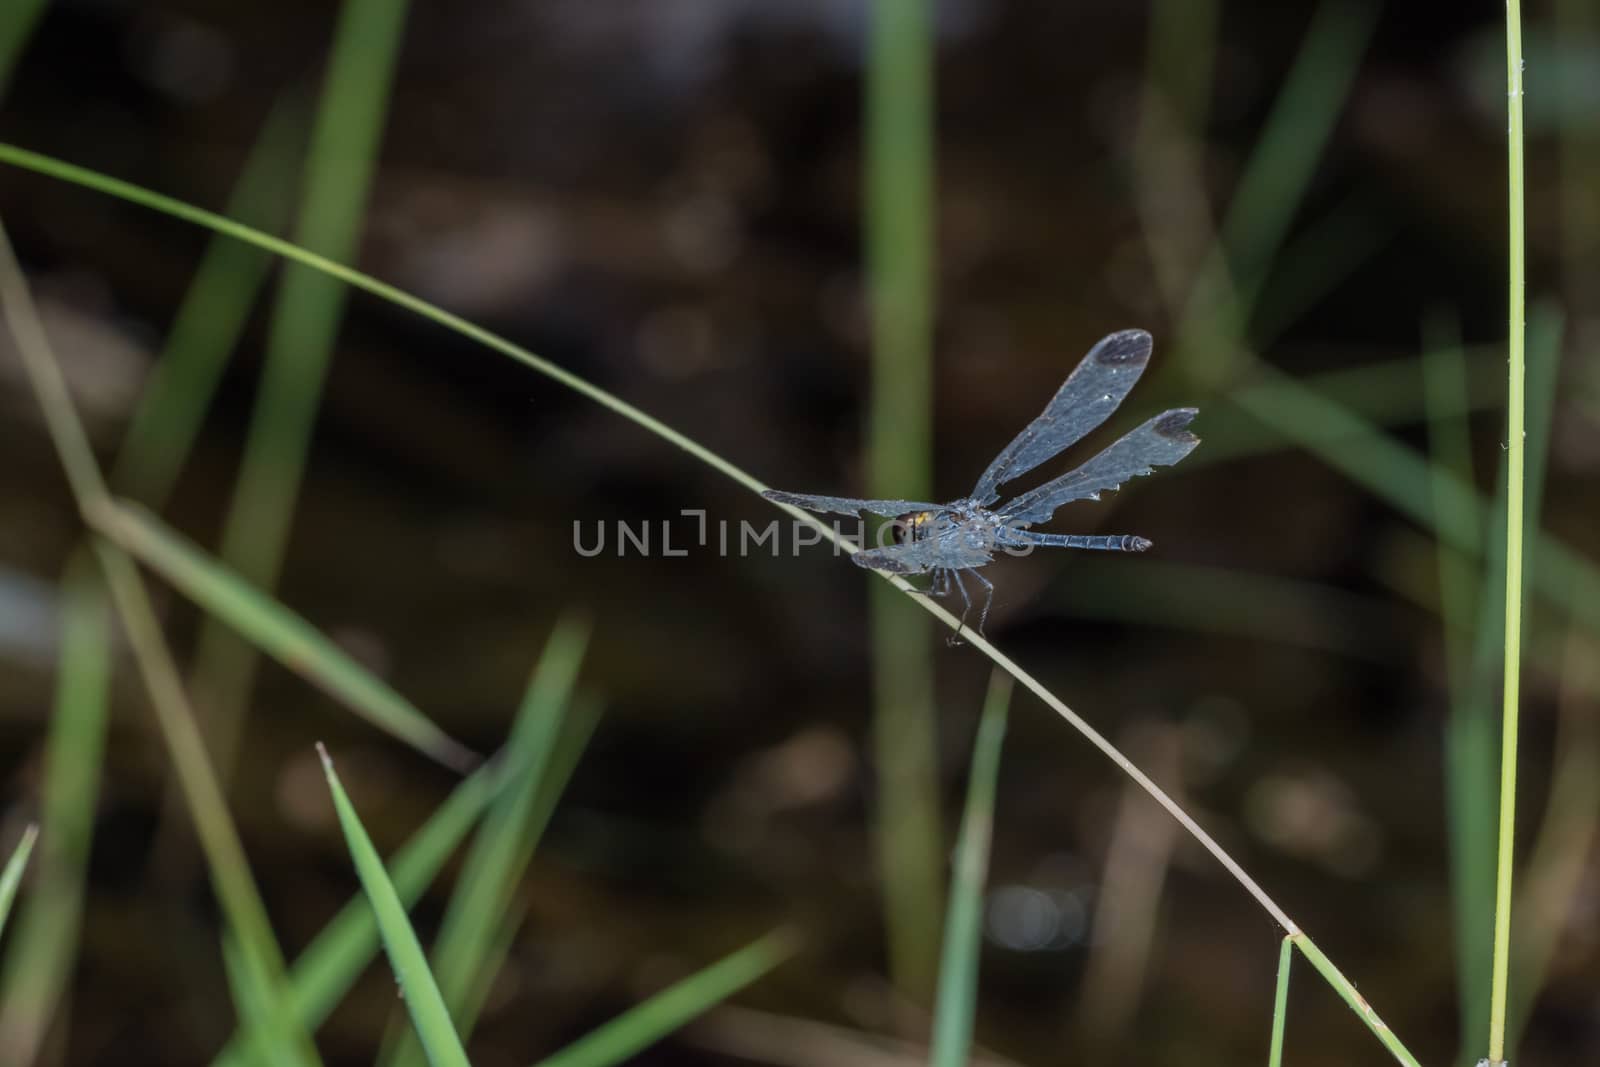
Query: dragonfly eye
[{"x": 912, "y": 526}]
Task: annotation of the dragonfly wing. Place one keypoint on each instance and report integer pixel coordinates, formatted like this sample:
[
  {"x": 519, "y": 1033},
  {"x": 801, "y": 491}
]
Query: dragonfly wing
[
  {"x": 1090, "y": 394},
  {"x": 1161, "y": 442},
  {"x": 844, "y": 505}
]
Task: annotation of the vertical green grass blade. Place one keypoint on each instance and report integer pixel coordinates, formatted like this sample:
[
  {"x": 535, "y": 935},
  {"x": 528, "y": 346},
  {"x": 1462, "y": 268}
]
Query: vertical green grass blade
[
  {"x": 252, "y": 1006},
  {"x": 1280, "y": 169},
  {"x": 1280, "y": 1004},
  {"x": 1273, "y": 185},
  {"x": 1469, "y": 740},
  {"x": 422, "y": 999},
  {"x": 898, "y": 213},
  {"x": 505, "y": 843},
  {"x": 209, "y": 322},
  {"x": 638, "y": 1028},
  {"x": 279, "y": 632},
  {"x": 1472, "y": 747},
  {"x": 506, "y": 929},
  {"x": 12, "y": 876},
  {"x": 305, "y": 320},
  {"x": 1516, "y": 414},
  {"x": 39, "y": 962},
  {"x": 957, "y": 1004},
  {"x": 576, "y": 729}
]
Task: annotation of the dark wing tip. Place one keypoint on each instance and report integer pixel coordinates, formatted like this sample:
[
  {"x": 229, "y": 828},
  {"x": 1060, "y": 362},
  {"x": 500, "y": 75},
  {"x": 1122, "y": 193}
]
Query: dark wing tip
[
  {"x": 1123, "y": 348},
  {"x": 1174, "y": 425}
]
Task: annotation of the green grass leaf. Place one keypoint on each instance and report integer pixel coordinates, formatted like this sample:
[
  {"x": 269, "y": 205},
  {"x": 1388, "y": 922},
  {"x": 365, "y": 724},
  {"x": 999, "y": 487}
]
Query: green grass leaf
[
  {"x": 325, "y": 971},
  {"x": 273, "y": 628},
  {"x": 202, "y": 792},
  {"x": 963, "y": 924},
  {"x": 898, "y": 219},
  {"x": 12, "y": 877},
  {"x": 577, "y": 727},
  {"x": 1280, "y": 1004},
  {"x": 505, "y": 843},
  {"x": 641, "y": 1026},
  {"x": 300, "y": 340},
  {"x": 39, "y": 963},
  {"x": 209, "y": 322},
  {"x": 422, "y": 999}
]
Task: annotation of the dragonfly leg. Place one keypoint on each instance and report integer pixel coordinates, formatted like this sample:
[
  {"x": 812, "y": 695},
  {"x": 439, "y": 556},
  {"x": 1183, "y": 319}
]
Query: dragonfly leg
[
  {"x": 988, "y": 599},
  {"x": 966, "y": 602}
]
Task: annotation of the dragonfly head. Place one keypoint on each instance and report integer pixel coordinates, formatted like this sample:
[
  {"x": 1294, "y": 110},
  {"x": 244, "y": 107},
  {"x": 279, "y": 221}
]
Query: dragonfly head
[{"x": 912, "y": 526}]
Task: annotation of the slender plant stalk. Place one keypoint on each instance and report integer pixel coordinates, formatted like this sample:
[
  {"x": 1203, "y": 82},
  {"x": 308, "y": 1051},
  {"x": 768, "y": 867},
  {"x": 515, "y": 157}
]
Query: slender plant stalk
[
  {"x": 1516, "y": 298},
  {"x": 209, "y": 321},
  {"x": 219, "y": 837},
  {"x": 957, "y": 1006},
  {"x": 39, "y": 963},
  {"x": 899, "y": 224},
  {"x": 190, "y": 213},
  {"x": 11, "y": 877},
  {"x": 1280, "y": 1004},
  {"x": 300, "y": 340},
  {"x": 505, "y": 843}
]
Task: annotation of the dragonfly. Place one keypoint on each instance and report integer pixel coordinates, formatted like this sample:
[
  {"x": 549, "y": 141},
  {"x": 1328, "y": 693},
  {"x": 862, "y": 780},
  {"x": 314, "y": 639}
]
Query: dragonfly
[{"x": 950, "y": 540}]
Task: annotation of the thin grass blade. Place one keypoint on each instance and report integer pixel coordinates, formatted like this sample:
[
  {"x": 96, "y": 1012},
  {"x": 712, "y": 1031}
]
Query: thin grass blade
[
  {"x": 963, "y": 926},
  {"x": 642, "y": 1026},
  {"x": 209, "y": 321},
  {"x": 230, "y": 870},
  {"x": 274, "y": 628},
  {"x": 1280, "y": 169},
  {"x": 325, "y": 971},
  {"x": 39, "y": 963},
  {"x": 1280, "y": 1004},
  {"x": 898, "y": 215},
  {"x": 12, "y": 877},
  {"x": 505, "y": 843},
  {"x": 423, "y": 1002},
  {"x": 251, "y": 1005},
  {"x": 577, "y": 727},
  {"x": 305, "y": 320}
]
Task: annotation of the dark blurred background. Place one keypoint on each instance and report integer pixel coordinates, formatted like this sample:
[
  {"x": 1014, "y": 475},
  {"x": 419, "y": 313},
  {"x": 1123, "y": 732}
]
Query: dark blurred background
[{"x": 666, "y": 199}]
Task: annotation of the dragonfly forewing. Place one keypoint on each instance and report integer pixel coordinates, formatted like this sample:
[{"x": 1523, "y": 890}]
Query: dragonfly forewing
[
  {"x": 1161, "y": 442},
  {"x": 844, "y": 505},
  {"x": 1094, "y": 389}
]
